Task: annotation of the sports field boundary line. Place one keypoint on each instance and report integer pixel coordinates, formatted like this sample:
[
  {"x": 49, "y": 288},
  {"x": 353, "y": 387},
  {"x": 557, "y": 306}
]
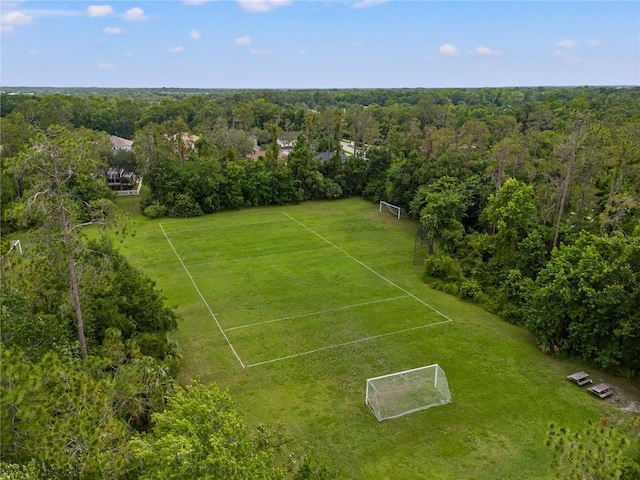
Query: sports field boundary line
[
  {"x": 213, "y": 315},
  {"x": 369, "y": 268},
  {"x": 352, "y": 342},
  {"x": 315, "y": 313}
]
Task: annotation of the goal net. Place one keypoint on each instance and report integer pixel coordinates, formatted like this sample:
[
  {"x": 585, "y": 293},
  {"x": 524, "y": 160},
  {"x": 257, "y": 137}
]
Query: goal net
[
  {"x": 397, "y": 394},
  {"x": 15, "y": 245},
  {"x": 396, "y": 211}
]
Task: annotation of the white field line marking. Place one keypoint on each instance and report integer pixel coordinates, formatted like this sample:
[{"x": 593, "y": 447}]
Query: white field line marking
[
  {"x": 213, "y": 315},
  {"x": 345, "y": 344},
  {"x": 369, "y": 268},
  {"x": 315, "y": 313}
]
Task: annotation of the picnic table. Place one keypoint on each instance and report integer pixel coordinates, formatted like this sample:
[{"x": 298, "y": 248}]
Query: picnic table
[
  {"x": 581, "y": 378},
  {"x": 602, "y": 390}
]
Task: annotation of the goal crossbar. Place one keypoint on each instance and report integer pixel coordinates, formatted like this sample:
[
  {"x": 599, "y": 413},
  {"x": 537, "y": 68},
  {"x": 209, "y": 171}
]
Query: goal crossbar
[
  {"x": 392, "y": 208},
  {"x": 395, "y": 374}
]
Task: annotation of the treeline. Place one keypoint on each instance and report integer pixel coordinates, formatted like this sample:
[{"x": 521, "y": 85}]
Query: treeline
[{"x": 124, "y": 111}]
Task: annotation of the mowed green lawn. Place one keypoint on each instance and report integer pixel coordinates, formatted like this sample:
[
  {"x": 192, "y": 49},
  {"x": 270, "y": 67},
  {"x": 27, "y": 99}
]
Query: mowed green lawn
[{"x": 292, "y": 308}]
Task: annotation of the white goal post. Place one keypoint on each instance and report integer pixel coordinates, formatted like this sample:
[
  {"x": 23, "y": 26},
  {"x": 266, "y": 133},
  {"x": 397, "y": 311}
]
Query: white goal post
[
  {"x": 401, "y": 393},
  {"x": 392, "y": 208},
  {"x": 14, "y": 244}
]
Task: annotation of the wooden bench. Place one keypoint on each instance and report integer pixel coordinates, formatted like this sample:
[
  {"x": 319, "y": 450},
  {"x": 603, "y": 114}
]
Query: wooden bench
[
  {"x": 602, "y": 390},
  {"x": 581, "y": 378}
]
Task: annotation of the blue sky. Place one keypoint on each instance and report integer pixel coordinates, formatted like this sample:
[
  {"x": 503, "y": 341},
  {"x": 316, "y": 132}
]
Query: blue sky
[{"x": 319, "y": 44}]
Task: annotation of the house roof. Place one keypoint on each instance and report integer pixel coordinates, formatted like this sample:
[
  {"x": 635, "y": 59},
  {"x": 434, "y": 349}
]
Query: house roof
[
  {"x": 119, "y": 142},
  {"x": 326, "y": 156}
]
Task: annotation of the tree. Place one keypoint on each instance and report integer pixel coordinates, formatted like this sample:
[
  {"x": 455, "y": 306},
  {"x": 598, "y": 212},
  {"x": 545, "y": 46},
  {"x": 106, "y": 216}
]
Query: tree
[
  {"x": 202, "y": 435},
  {"x": 34, "y": 333},
  {"x": 304, "y": 170},
  {"x": 378, "y": 165},
  {"x": 69, "y": 419},
  {"x": 586, "y": 301},
  {"x": 619, "y": 182},
  {"x": 508, "y": 151},
  {"x": 596, "y": 453},
  {"x": 57, "y": 416},
  {"x": 512, "y": 212},
  {"x": 57, "y": 168},
  {"x": 441, "y": 207},
  {"x": 473, "y": 136},
  {"x": 567, "y": 153},
  {"x": 123, "y": 297}
]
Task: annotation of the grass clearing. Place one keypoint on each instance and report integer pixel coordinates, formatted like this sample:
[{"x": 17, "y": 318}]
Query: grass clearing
[{"x": 318, "y": 297}]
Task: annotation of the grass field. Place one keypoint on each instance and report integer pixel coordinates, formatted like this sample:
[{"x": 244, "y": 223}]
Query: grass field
[{"x": 293, "y": 308}]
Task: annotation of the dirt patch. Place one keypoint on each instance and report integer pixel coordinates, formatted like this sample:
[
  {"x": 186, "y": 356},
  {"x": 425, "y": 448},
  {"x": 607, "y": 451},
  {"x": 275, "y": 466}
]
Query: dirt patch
[{"x": 625, "y": 399}]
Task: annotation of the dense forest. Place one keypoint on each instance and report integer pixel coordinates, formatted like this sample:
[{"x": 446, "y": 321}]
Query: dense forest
[{"x": 528, "y": 201}]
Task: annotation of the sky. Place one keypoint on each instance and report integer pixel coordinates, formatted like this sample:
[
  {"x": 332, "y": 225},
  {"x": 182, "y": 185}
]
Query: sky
[{"x": 319, "y": 44}]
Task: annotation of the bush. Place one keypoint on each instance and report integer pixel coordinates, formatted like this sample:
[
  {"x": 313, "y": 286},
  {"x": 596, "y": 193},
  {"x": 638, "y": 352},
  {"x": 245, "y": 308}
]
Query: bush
[
  {"x": 471, "y": 290},
  {"x": 155, "y": 211},
  {"x": 185, "y": 207},
  {"x": 443, "y": 267},
  {"x": 152, "y": 344},
  {"x": 332, "y": 189}
]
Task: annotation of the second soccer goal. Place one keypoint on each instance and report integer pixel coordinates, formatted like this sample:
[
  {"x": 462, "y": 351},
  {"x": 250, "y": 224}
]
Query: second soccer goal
[{"x": 401, "y": 393}]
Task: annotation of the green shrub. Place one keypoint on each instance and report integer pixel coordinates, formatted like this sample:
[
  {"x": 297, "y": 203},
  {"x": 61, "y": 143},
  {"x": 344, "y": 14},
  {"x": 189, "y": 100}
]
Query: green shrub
[
  {"x": 155, "y": 211},
  {"x": 443, "y": 267},
  {"x": 152, "y": 344},
  {"x": 184, "y": 207},
  {"x": 471, "y": 290}
]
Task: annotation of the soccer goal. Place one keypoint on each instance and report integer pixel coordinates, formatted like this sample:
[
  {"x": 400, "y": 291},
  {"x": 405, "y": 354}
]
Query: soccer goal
[
  {"x": 397, "y": 211},
  {"x": 15, "y": 244},
  {"x": 401, "y": 393}
]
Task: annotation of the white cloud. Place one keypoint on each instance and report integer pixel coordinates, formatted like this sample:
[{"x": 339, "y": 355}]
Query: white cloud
[
  {"x": 254, "y": 6},
  {"x": 176, "y": 50},
  {"x": 99, "y": 10},
  {"x": 557, "y": 53},
  {"x": 301, "y": 52},
  {"x": 448, "y": 49},
  {"x": 258, "y": 51},
  {"x": 595, "y": 43},
  {"x": 367, "y": 3},
  {"x": 16, "y": 18},
  {"x": 246, "y": 40},
  {"x": 194, "y": 2},
  {"x": 113, "y": 30},
  {"x": 567, "y": 43},
  {"x": 105, "y": 65},
  {"x": 195, "y": 34},
  {"x": 127, "y": 54},
  {"x": 9, "y": 21},
  {"x": 33, "y": 53},
  {"x": 487, "y": 51},
  {"x": 135, "y": 15}
]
